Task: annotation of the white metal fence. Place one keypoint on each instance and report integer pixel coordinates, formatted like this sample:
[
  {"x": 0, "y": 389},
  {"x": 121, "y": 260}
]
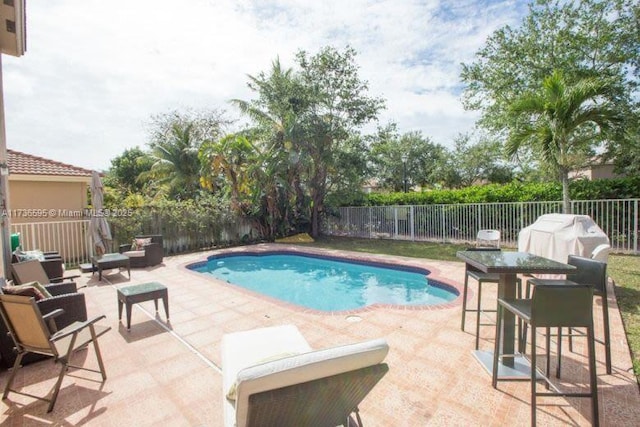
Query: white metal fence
[
  {"x": 70, "y": 238},
  {"x": 461, "y": 222},
  {"x": 440, "y": 223},
  {"x": 73, "y": 240}
]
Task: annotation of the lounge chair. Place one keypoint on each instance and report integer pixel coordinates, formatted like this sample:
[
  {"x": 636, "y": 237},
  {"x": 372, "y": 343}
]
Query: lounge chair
[
  {"x": 51, "y": 262},
  {"x": 34, "y": 333},
  {"x": 65, "y": 297},
  {"x": 33, "y": 271},
  {"x": 279, "y": 380}
]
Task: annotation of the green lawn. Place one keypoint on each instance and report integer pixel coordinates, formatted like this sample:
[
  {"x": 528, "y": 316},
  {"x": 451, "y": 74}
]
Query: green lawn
[{"x": 624, "y": 269}]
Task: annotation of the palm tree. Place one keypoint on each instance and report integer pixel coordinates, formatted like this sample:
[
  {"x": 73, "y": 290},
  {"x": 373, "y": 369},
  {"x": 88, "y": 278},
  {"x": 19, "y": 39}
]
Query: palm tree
[
  {"x": 231, "y": 158},
  {"x": 176, "y": 167},
  {"x": 562, "y": 123},
  {"x": 277, "y": 112}
]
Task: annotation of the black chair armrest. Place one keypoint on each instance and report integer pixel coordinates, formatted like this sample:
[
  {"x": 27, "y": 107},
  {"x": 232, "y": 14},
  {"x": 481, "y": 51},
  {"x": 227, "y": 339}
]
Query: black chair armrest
[
  {"x": 74, "y": 306},
  {"x": 62, "y": 288},
  {"x": 153, "y": 253},
  {"x": 124, "y": 248},
  {"x": 53, "y": 268}
]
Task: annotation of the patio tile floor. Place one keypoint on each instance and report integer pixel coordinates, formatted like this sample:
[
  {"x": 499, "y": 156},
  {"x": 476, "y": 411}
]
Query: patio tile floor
[{"x": 167, "y": 372}]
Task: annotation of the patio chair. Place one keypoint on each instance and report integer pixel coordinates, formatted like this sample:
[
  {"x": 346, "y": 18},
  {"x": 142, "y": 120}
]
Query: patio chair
[
  {"x": 271, "y": 377},
  {"x": 60, "y": 296},
  {"x": 552, "y": 306},
  {"x": 33, "y": 271},
  {"x": 589, "y": 272},
  {"x": 601, "y": 252},
  {"x": 148, "y": 251},
  {"x": 51, "y": 262},
  {"x": 34, "y": 333},
  {"x": 480, "y": 277},
  {"x": 488, "y": 238}
]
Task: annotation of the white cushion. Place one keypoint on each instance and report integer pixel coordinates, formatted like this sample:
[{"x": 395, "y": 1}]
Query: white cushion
[
  {"x": 243, "y": 349},
  {"x": 134, "y": 254},
  {"x": 290, "y": 370}
]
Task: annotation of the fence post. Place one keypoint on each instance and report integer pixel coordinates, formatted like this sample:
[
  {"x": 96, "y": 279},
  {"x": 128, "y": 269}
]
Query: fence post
[
  {"x": 443, "y": 224},
  {"x": 635, "y": 226},
  {"x": 411, "y": 222},
  {"x": 395, "y": 221},
  {"x": 370, "y": 221},
  {"x": 32, "y": 232}
]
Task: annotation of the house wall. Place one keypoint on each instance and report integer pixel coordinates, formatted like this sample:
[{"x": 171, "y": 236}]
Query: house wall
[
  {"x": 42, "y": 201},
  {"x": 601, "y": 171}
]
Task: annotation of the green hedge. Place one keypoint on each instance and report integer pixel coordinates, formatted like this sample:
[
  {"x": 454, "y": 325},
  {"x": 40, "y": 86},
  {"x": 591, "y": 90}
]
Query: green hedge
[
  {"x": 620, "y": 188},
  {"x": 185, "y": 225}
]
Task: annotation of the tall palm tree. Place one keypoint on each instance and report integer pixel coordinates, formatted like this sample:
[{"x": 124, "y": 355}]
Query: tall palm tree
[
  {"x": 277, "y": 113},
  {"x": 562, "y": 123},
  {"x": 176, "y": 167}
]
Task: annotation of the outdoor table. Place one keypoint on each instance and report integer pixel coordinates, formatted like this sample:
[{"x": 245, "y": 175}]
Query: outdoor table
[
  {"x": 508, "y": 265},
  {"x": 109, "y": 261},
  {"x": 135, "y": 294}
]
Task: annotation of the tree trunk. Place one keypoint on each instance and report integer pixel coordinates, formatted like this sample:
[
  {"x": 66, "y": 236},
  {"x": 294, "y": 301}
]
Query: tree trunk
[
  {"x": 315, "y": 215},
  {"x": 566, "y": 200}
]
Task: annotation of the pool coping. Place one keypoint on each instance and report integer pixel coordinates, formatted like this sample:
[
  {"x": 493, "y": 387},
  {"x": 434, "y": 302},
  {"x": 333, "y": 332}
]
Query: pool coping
[{"x": 359, "y": 257}]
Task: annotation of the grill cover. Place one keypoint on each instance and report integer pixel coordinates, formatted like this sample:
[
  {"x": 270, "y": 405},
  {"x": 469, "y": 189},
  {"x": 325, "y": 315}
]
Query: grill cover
[{"x": 556, "y": 236}]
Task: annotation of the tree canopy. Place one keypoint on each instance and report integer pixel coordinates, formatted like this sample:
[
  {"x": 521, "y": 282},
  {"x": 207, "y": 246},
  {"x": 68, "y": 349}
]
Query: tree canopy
[
  {"x": 561, "y": 121},
  {"x": 583, "y": 38},
  {"x": 305, "y": 133}
]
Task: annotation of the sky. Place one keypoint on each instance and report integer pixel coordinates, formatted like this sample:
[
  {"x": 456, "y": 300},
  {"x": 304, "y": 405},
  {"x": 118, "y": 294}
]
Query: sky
[{"x": 96, "y": 71}]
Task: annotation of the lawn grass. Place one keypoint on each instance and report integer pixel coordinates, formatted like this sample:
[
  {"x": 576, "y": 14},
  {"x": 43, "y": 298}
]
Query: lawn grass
[{"x": 623, "y": 269}]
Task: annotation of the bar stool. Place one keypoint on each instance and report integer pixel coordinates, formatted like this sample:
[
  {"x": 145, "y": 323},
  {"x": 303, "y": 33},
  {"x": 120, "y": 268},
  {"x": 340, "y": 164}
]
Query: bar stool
[
  {"x": 480, "y": 277},
  {"x": 552, "y": 306},
  {"x": 588, "y": 272}
]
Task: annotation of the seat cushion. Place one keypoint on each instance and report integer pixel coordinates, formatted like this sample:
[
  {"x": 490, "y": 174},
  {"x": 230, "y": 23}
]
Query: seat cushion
[
  {"x": 26, "y": 290},
  {"x": 243, "y": 349},
  {"x": 307, "y": 366},
  {"x": 134, "y": 254},
  {"x": 139, "y": 243}
]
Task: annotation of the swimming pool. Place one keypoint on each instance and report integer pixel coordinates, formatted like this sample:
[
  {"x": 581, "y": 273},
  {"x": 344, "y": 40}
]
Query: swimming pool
[{"x": 327, "y": 283}]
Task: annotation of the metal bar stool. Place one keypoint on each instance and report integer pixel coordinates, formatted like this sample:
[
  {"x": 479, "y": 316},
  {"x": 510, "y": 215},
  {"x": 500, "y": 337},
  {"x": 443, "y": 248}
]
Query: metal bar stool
[
  {"x": 588, "y": 272},
  {"x": 480, "y": 277},
  {"x": 552, "y": 306}
]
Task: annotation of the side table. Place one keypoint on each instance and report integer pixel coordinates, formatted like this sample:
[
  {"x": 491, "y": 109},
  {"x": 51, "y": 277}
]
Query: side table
[
  {"x": 109, "y": 261},
  {"x": 134, "y": 294}
]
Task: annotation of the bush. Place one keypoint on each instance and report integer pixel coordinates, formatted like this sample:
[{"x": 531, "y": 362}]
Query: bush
[
  {"x": 185, "y": 225},
  {"x": 620, "y": 188}
]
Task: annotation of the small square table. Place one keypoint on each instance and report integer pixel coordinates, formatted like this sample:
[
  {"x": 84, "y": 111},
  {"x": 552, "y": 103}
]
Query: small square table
[
  {"x": 109, "y": 261},
  {"x": 508, "y": 265},
  {"x": 134, "y": 294}
]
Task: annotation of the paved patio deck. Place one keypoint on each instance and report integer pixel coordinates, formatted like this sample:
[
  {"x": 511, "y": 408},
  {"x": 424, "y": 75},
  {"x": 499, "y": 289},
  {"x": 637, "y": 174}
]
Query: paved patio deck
[{"x": 167, "y": 373}]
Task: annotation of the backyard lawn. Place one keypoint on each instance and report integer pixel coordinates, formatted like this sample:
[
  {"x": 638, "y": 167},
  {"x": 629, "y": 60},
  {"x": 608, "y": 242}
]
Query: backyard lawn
[{"x": 623, "y": 269}]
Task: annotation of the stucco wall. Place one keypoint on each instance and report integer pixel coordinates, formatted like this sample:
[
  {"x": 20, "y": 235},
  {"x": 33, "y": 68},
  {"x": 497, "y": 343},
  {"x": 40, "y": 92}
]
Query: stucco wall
[
  {"x": 37, "y": 201},
  {"x": 600, "y": 171}
]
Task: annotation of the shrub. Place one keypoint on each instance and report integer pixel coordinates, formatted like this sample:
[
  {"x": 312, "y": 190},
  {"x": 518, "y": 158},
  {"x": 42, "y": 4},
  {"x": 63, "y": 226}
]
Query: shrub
[{"x": 620, "y": 188}]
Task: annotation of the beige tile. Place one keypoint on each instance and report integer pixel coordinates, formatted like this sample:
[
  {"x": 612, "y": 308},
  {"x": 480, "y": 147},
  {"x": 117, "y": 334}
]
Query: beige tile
[{"x": 164, "y": 373}]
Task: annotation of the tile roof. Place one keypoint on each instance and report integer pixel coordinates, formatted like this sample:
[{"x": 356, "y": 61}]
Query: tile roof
[{"x": 27, "y": 164}]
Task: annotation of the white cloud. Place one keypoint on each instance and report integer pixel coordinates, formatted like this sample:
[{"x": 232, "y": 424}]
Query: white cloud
[{"x": 95, "y": 71}]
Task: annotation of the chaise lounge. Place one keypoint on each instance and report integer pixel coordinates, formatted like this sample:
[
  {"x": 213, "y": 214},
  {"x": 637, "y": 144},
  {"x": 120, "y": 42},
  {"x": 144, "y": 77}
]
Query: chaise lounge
[{"x": 272, "y": 377}]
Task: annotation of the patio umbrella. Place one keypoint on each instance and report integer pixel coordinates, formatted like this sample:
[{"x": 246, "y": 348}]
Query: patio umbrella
[{"x": 98, "y": 225}]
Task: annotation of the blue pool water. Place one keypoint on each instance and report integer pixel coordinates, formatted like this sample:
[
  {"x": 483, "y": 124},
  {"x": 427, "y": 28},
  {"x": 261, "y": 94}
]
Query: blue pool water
[{"x": 326, "y": 284}]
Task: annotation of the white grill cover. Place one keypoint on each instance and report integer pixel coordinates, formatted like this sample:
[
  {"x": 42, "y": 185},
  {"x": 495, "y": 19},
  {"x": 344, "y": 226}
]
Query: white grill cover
[{"x": 556, "y": 236}]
